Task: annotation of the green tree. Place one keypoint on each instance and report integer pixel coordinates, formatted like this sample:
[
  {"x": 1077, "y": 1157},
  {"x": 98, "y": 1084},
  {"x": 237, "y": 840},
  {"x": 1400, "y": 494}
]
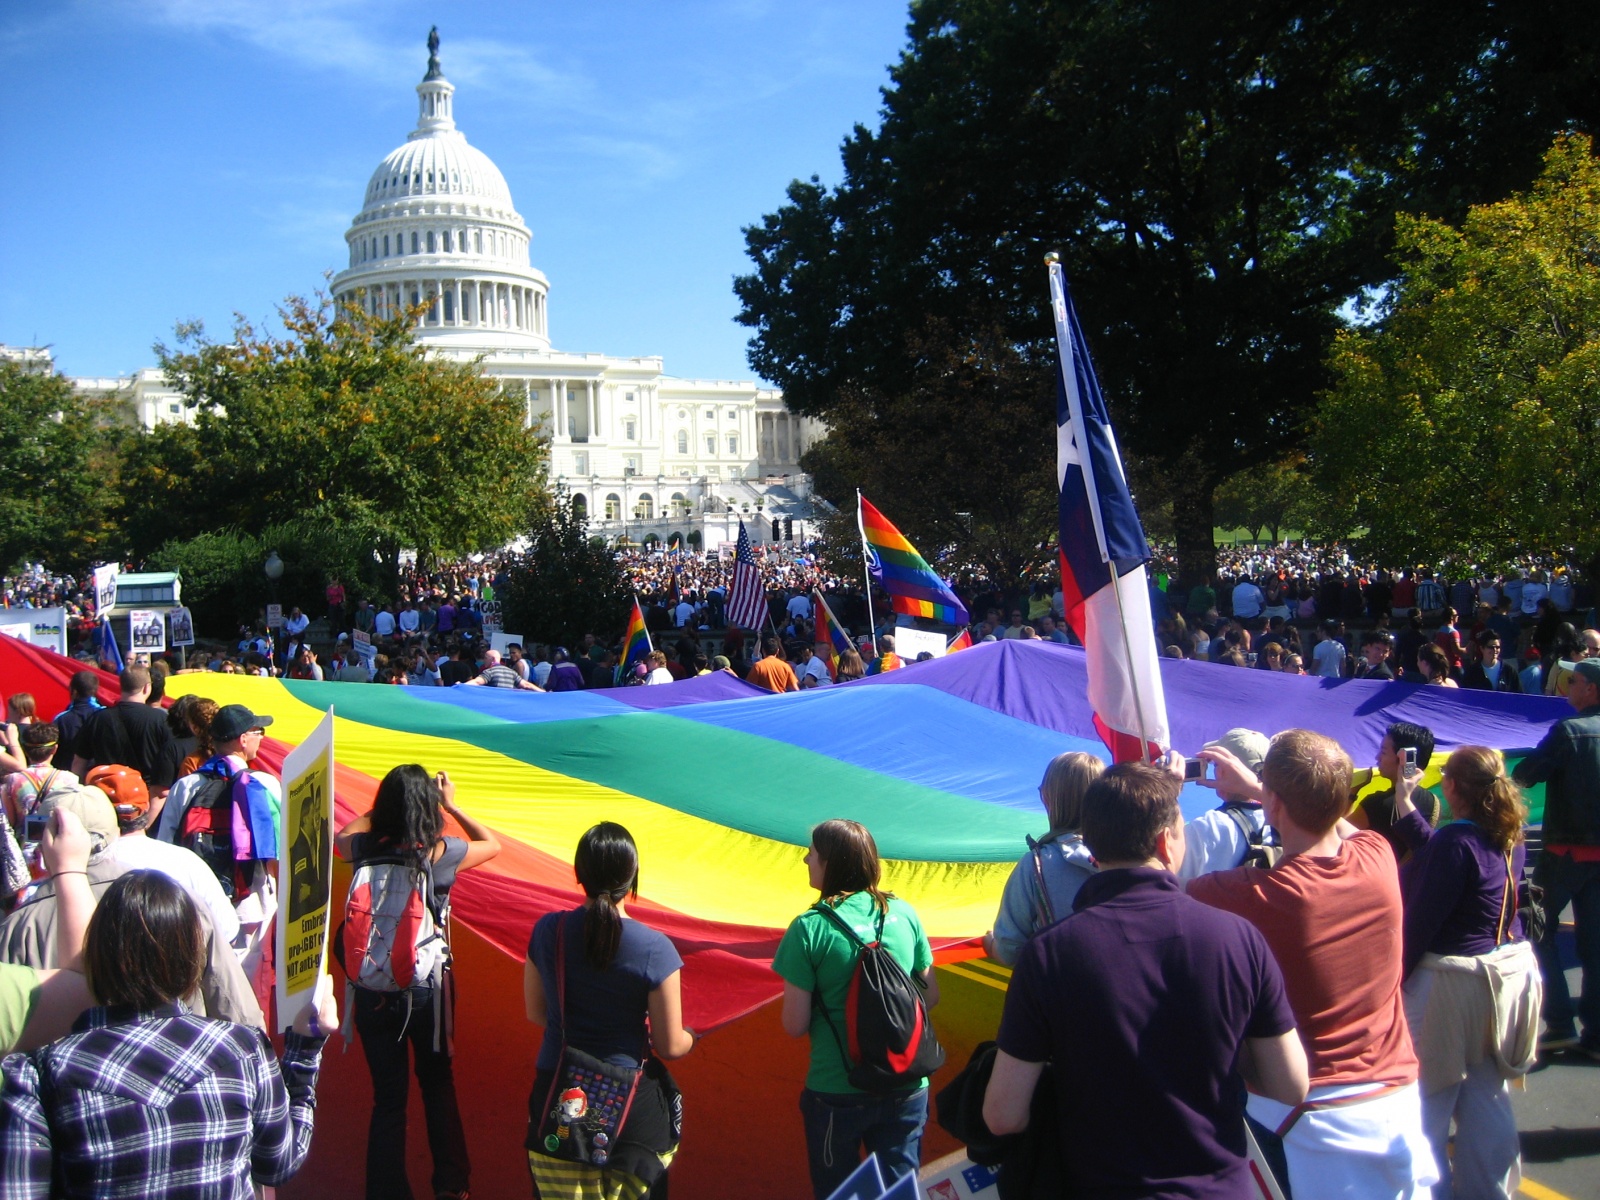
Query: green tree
[
  {"x": 1221, "y": 178},
  {"x": 342, "y": 420},
  {"x": 565, "y": 584},
  {"x": 1266, "y": 499},
  {"x": 55, "y": 472},
  {"x": 1464, "y": 423}
]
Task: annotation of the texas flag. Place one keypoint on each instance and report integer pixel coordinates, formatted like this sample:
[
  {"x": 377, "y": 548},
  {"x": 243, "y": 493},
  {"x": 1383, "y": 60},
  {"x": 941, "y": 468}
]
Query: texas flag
[{"x": 1103, "y": 552}]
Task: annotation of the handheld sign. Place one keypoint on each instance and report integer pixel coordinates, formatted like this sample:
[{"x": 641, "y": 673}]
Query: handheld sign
[{"x": 305, "y": 869}]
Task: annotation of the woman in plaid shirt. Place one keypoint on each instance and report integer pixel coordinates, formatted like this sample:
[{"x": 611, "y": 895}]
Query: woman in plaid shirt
[{"x": 144, "y": 1099}]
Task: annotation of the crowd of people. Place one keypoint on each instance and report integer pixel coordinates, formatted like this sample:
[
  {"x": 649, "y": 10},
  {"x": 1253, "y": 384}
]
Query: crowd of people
[{"x": 1350, "y": 967}]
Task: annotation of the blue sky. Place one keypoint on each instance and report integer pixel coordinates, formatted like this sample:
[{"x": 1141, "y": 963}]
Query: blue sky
[{"x": 177, "y": 159}]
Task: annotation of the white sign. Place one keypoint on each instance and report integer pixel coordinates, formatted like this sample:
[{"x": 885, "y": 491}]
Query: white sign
[
  {"x": 105, "y": 588},
  {"x": 910, "y": 642},
  {"x": 274, "y": 616},
  {"x": 956, "y": 1177},
  {"x": 489, "y": 610},
  {"x": 147, "y": 631},
  {"x": 499, "y": 641},
  {"x": 42, "y": 627},
  {"x": 182, "y": 626},
  {"x": 305, "y": 869}
]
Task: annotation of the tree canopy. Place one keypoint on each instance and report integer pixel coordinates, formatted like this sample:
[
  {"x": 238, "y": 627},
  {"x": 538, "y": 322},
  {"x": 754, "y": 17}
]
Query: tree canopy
[
  {"x": 565, "y": 584},
  {"x": 1464, "y": 424},
  {"x": 342, "y": 419},
  {"x": 56, "y": 472},
  {"x": 1221, "y": 179}
]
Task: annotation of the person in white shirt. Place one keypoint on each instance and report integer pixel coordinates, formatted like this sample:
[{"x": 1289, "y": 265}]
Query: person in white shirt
[
  {"x": 799, "y": 605},
  {"x": 1533, "y": 591},
  {"x": 383, "y": 623},
  {"x": 657, "y": 661},
  {"x": 540, "y": 672},
  {"x": 812, "y": 671},
  {"x": 1328, "y": 657},
  {"x": 410, "y": 620},
  {"x": 139, "y": 852},
  {"x": 1216, "y": 839},
  {"x": 683, "y": 613},
  {"x": 295, "y": 623}
]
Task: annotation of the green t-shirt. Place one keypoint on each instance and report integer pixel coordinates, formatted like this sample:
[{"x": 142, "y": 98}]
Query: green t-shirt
[
  {"x": 817, "y": 956},
  {"x": 19, "y": 992}
]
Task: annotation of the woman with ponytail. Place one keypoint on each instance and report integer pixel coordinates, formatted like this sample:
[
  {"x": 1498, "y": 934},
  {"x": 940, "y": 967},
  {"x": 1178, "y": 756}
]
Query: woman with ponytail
[
  {"x": 592, "y": 977},
  {"x": 406, "y": 825},
  {"x": 1472, "y": 988}
]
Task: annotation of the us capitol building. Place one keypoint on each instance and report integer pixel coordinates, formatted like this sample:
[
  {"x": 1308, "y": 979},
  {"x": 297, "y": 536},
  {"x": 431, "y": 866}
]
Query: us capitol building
[{"x": 644, "y": 455}]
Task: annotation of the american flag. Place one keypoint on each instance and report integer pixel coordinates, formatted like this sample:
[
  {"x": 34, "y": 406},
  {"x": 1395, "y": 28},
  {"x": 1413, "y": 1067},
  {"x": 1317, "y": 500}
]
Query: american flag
[{"x": 747, "y": 602}]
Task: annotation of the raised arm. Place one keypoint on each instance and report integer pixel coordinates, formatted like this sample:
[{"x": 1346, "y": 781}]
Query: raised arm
[{"x": 482, "y": 845}]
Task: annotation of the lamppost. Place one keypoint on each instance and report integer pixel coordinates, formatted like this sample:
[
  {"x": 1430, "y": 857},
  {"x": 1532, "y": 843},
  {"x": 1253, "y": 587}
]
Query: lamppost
[{"x": 273, "y": 569}]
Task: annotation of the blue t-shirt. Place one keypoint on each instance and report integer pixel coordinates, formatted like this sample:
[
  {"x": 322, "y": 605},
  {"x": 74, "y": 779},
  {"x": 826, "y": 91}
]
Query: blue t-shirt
[{"x": 608, "y": 1007}]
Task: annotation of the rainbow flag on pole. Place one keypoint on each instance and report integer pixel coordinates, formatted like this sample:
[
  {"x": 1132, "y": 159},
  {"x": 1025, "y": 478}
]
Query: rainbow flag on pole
[
  {"x": 894, "y": 562},
  {"x": 636, "y": 643},
  {"x": 828, "y": 625},
  {"x": 961, "y": 641}
]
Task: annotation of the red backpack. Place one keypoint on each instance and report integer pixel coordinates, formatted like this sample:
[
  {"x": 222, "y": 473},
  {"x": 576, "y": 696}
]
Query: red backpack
[
  {"x": 391, "y": 938},
  {"x": 889, "y": 1043}
]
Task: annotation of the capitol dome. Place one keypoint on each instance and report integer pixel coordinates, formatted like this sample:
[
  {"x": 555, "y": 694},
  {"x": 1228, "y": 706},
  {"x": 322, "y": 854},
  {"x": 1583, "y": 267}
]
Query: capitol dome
[{"x": 438, "y": 222}]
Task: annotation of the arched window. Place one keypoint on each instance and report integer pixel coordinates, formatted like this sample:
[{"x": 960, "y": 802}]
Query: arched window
[
  {"x": 628, "y": 430},
  {"x": 580, "y": 506},
  {"x": 680, "y": 506},
  {"x": 430, "y": 242},
  {"x": 733, "y": 444},
  {"x": 477, "y": 240},
  {"x": 645, "y": 509},
  {"x": 449, "y": 305},
  {"x": 711, "y": 443},
  {"x": 447, "y": 241},
  {"x": 683, "y": 441},
  {"x": 613, "y": 506},
  {"x": 413, "y": 243},
  {"x": 386, "y": 245}
]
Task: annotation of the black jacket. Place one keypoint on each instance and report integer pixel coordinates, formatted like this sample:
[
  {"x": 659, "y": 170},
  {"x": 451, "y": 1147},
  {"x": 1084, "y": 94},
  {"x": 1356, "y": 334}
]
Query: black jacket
[
  {"x": 1473, "y": 676},
  {"x": 1029, "y": 1163}
]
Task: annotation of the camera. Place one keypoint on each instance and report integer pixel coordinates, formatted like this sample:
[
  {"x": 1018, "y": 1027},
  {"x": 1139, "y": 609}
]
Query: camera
[
  {"x": 1410, "y": 760},
  {"x": 33, "y": 826},
  {"x": 1193, "y": 769}
]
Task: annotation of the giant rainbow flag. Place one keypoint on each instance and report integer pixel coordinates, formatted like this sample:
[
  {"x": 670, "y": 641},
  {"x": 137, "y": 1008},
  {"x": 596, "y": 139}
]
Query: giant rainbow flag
[{"x": 721, "y": 783}]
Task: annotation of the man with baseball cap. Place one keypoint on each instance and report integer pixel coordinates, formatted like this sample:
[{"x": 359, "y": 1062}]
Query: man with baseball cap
[
  {"x": 1567, "y": 762},
  {"x": 1224, "y": 837},
  {"x": 135, "y": 850},
  {"x": 210, "y": 811}
]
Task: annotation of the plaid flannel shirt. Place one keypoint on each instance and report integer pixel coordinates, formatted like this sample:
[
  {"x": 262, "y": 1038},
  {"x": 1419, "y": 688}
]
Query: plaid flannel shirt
[{"x": 155, "y": 1104}]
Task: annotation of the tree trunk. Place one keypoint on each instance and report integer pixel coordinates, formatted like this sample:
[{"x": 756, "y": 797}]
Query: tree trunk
[{"x": 1193, "y": 517}]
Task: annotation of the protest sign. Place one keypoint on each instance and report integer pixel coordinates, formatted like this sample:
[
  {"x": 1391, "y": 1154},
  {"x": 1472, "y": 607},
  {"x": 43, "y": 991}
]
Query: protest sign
[
  {"x": 864, "y": 1183},
  {"x": 957, "y": 1177},
  {"x": 910, "y": 642},
  {"x": 182, "y": 626},
  {"x": 305, "y": 872},
  {"x": 147, "y": 631},
  {"x": 44, "y": 627},
  {"x": 105, "y": 587},
  {"x": 499, "y": 641},
  {"x": 489, "y": 610}
]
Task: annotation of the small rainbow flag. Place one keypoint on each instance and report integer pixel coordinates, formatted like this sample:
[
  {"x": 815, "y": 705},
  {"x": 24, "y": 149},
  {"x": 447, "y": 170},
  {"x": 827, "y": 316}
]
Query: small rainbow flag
[
  {"x": 636, "y": 643},
  {"x": 829, "y": 625},
  {"x": 894, "y": 562},
  {"x": 961, "y": 641}
]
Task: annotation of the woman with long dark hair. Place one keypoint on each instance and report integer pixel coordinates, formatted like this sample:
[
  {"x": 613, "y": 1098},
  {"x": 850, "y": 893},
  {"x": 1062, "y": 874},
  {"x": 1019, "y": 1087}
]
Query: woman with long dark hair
[
  {"x": 592, "y": 977},
  {"x": 144, "y": 1093},
  {"x": 406, "y": 826},
  {"x": 816, "y": 959},
  {"x": 1472, "y": 987}
]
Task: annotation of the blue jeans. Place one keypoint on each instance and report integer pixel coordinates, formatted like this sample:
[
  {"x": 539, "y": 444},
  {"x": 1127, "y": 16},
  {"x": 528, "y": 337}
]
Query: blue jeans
[
  {"x": 1567, "y": 882},
  {"x": 839, "y": 1125}
]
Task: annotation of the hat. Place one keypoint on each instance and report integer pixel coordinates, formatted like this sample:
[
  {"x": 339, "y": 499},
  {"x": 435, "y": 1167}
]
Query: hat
[
  {"x": 126, "y": 789},
  {"x": 91, "y": 806},
  {"x": 1589, "y": 668},
  {"x": 721, "y": 663},
  {"x": 343, "y": 637},
  {"x": 1248, "y": 746},
  {"x": 233, "y": 720}
]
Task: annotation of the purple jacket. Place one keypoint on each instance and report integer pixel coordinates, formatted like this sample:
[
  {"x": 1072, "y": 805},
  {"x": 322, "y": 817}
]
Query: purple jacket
[{"x": 1454, "y": 887}]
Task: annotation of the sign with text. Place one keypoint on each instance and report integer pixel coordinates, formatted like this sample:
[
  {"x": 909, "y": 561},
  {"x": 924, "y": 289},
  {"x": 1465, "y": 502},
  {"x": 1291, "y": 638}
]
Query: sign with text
[
  {"x": 274, "y": 616},
  {"x": 305, "y": 871},
  {"x": 182, "y": 626},
  {"x": 42, "y": 627},
  {"x": 489, "y": 610},
  {"x": 910, "y": 642},
  {"x": 147, "y": 631}
]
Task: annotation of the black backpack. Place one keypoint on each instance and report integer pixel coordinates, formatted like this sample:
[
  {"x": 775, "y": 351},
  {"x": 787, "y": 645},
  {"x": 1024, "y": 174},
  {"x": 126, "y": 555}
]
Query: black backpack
[
  {"x": 889, "y": 1044},
  {"x": 1261, "y": 845}
]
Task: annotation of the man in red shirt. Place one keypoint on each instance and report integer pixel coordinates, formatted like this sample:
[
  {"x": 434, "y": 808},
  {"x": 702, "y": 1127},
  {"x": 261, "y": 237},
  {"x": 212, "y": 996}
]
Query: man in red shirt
[{"x": 1331, "y": 913}]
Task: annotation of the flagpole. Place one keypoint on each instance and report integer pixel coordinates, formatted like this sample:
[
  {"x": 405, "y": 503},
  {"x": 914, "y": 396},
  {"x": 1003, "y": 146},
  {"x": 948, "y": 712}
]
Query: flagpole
[
  {"x": 866, "y": 570},
  {"x": 1065, "y": 352}
]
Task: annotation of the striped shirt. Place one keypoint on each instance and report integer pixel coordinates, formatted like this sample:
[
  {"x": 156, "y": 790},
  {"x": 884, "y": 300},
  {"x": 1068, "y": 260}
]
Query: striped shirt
[{"x": 141, "y": 1105}]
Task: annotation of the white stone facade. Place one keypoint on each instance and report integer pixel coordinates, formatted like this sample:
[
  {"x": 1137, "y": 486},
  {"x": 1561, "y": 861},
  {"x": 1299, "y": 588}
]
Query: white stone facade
[{"x": 648, "y": 455}]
